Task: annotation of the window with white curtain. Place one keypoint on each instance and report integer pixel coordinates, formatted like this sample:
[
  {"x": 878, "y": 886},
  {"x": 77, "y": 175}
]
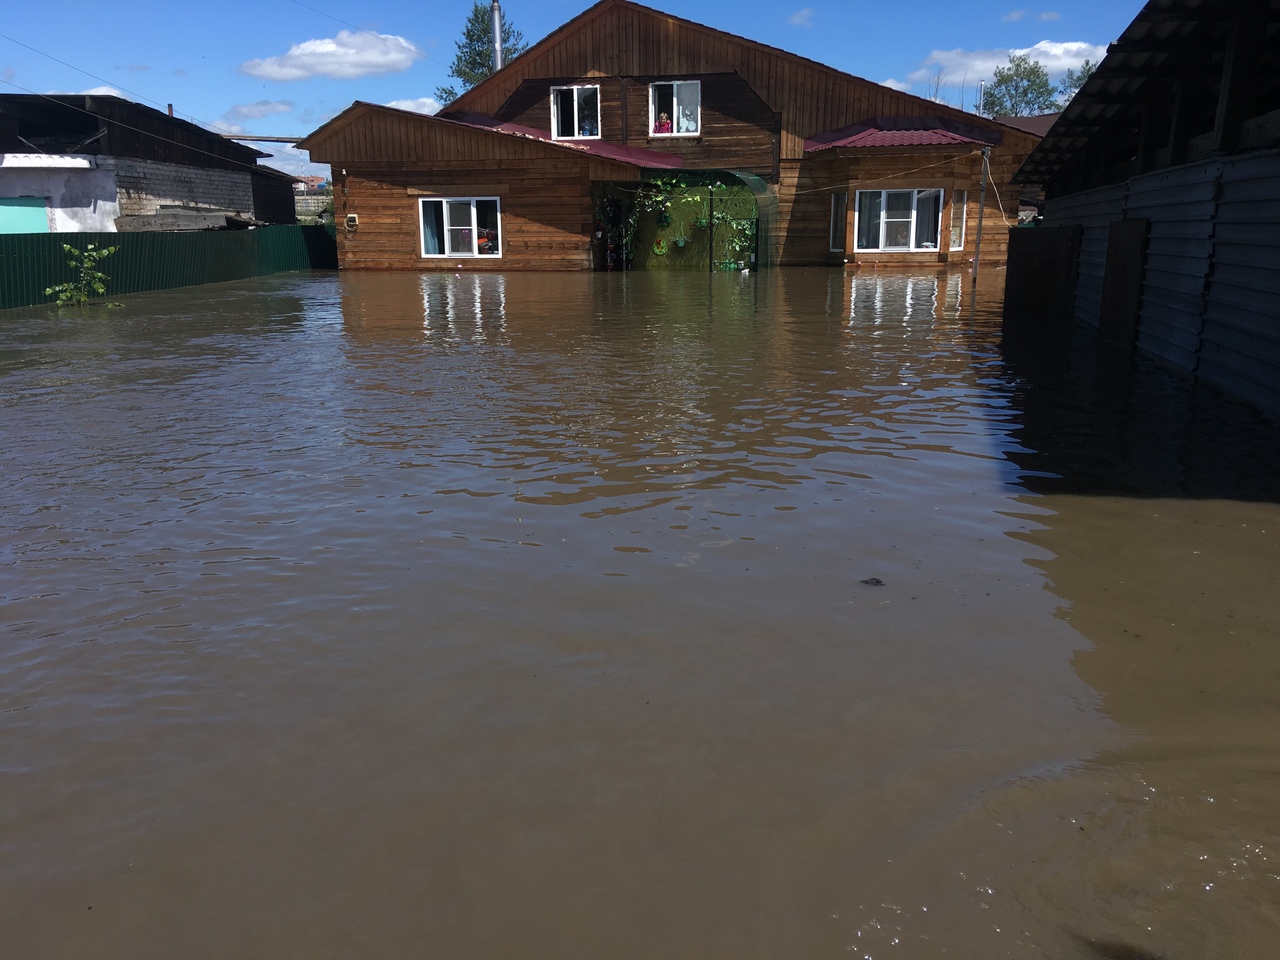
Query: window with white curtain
[
  {"x": 898, "y": 219},
  {"x": 675, "y": 108}
]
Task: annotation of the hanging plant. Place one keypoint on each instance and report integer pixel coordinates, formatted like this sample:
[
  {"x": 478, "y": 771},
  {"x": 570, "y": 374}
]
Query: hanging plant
[
  {"x": 664, "y": 219},
  {"x": 660, "y": 246},
  {"x": 681, "y": 241}
]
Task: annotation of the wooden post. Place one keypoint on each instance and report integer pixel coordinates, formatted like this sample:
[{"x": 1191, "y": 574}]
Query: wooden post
[
  {"x": 982, "y": 208},
  {"x": 1240, "y": 71}
]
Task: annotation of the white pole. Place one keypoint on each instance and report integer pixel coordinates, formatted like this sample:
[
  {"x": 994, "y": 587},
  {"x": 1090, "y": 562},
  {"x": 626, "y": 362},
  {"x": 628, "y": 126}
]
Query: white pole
[{"x": 497, "y": 37}]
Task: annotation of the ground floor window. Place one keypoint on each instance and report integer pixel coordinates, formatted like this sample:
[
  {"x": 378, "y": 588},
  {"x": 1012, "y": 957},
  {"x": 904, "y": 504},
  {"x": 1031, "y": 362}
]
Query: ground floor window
[
  {"x": 460, "y": 227},
  {"x": 959, "y": 203},
  {"x": 839, "y": 216},
  {"x": 898, "y": 219}
]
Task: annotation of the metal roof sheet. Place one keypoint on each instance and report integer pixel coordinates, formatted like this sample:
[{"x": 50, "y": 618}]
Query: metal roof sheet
[{"x": 900, "y": 132}]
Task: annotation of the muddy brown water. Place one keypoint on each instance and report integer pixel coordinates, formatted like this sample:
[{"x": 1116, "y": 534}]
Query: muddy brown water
[{"x": 525, "y": 617}]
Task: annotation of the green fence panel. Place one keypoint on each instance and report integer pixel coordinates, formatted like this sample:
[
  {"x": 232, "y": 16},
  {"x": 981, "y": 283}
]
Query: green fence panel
[{"x": 30, "y": 262}]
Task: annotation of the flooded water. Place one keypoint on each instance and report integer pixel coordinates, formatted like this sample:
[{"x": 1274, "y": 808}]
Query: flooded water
[{"x": 626, "y": 616}]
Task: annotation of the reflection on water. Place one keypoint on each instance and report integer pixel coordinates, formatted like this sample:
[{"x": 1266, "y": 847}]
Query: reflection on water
[{"x": 625, "y": 615}]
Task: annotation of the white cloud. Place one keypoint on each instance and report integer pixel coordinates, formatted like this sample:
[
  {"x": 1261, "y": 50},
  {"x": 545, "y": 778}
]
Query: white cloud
[
  {"x": 256, "y": 111},
  {"x": 417, "y": 105},
  {"x": 91, "y": 92},
  {"x": 896, "y": 84},
  {"x": 1050, "y": 15},
  {"x": 1055, "y": 57},
  {"x": 222, "y": 126},
  {"x": 801, "y": 18},
  {"x": 344, "y": 57},
  {"x": 1013, "y": 15}
]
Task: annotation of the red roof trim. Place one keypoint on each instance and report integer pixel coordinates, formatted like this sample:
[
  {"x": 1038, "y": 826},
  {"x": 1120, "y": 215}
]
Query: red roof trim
[{"x": 901, "y": 132}]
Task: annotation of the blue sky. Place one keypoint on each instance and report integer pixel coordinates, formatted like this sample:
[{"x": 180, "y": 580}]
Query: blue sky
[{"x": 283, "y": 67}]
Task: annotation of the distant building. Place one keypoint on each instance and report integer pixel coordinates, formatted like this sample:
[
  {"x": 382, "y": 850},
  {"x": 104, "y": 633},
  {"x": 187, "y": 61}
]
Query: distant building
[
  {"x": 88, "y": 163},
  {"x": 1162, "y": 186}
]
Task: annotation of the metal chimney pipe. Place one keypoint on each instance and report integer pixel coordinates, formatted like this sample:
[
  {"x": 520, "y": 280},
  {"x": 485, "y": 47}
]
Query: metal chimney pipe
[{"x": 497, "y": 36}]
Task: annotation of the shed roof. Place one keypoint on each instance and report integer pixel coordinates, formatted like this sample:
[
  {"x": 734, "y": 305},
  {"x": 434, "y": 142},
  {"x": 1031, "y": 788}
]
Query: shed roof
[
  {"x": 1171, "y": 46},
  {"x": 113, "y": 126}
]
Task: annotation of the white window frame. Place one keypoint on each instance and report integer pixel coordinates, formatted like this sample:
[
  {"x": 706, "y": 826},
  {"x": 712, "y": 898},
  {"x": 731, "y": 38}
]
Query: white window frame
[
  {"x": 675, "y": 130},
  {"x": 963, "y": 197},
  {"x": 576, "y": 126},
  {"x": 422, "y": 240},
  {"x": 915, "y": 202},
  {"x": 839, "y": 225}
]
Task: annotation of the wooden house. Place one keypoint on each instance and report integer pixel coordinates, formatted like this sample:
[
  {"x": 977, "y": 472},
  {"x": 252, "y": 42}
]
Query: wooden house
[
  {"x": 1162, "y": 184},
  {"x": 838, "y": 170}
]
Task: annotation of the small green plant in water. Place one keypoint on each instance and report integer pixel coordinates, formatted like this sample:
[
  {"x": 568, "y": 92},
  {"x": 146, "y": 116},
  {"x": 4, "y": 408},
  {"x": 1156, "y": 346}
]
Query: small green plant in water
[{"x": 89, "y": 280}]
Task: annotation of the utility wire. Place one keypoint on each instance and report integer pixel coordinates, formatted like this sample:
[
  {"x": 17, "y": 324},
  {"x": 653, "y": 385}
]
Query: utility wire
[
  {"x": 145, "y": 133},
  {"x": 70, "y": 66}
]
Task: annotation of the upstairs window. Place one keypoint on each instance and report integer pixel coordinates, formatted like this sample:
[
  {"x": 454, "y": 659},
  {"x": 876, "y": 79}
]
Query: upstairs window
[
  {"x": 675, "y": 108},
  {"x": 898, "y": 219},
  {"x": 575, "y": 113},
  {"x": 460, "y": 227}
]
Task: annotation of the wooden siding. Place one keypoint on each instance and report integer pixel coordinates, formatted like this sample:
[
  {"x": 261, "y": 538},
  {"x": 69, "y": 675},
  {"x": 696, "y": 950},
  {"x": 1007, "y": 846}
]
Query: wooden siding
[
  {"x": 1211, "y": 281},
  {"x": 739, "y": 130},
  {"x": 618, "y": 39},
  {"x": 546, "y": 210},
  {"x": 1092, "y": 211},
  {"x": 1240, "y": 348},
  {"x": 1180, "y": 204}
]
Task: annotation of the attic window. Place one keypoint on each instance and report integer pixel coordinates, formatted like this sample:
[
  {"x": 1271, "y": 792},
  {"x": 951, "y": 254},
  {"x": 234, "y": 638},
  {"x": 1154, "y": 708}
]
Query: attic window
[
  {"x": 575, "y": 113},
  {"x": 675, "y": 108}
]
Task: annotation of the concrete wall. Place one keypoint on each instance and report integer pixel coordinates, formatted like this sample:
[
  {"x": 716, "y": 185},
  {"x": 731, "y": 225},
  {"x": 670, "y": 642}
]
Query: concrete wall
[
  {"x": 80, "y": 190},
  {"x": 147, "y": 185}
]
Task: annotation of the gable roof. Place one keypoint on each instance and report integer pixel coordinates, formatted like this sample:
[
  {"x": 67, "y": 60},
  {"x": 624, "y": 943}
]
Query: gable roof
[
  {"x": 901, "y": 132},
  {"x": 621, "y": 38},
  {"x": 335, "y": 136}
]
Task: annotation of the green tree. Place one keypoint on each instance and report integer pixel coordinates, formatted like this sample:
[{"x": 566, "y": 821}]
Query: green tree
[
  {"x": 1073, "y": 81},
  {"x": 1022, "y": 89},
  {"x": 474, "y": 60}
]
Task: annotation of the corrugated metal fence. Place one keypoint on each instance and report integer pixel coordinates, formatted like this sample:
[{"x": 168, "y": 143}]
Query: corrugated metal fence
[{"x": 32, "y": 262}]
